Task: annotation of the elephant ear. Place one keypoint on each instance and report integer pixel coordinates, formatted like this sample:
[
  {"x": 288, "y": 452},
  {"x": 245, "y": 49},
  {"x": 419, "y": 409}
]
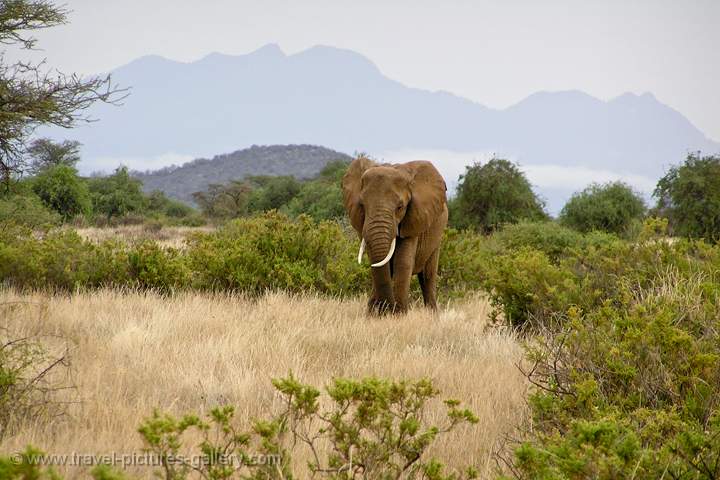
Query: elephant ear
[
  {"x": 351, "y": 185},
  {"x": 428, "y": 198}
]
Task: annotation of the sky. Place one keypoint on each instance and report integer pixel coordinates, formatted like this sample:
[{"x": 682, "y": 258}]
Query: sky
[{"x": 490, "y": 51}]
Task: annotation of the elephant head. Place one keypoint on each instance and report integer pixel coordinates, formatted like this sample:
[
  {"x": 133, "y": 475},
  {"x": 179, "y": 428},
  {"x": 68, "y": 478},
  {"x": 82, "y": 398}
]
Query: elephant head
[{"x": 386, "y": 202}]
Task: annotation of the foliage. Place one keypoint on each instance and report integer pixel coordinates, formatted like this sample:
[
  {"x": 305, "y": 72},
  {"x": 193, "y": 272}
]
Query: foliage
[
  {"x": 372, "y": 428},
  {"x": 273, "y": 252},
  {"x": 271, "y": 193},
  {"x": 162, "y": 269},
  {"x": 117, "y": 194},
  {"x": 44, "y": 153},
  {"x": 320, "y": 198},
  {"x": 630, "y": 389},
  {"x": 157, "y": 203},
  {"x": 689, "y": 196},
  {"x": 224, "y": 201},
  {"x": 63, "y": 191},
  {"x": 30, "y": 465},
  {"x": 611, "y": 207},
  {"x": 33, "y": 96},
  {"x": 548, "y": 237},
  {"x": 494, "y": 194},
  {"x": 27, "y": 209}
]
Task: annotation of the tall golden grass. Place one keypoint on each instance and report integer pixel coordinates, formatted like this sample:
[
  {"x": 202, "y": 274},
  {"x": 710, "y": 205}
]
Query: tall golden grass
[
  {"x": 163, "y": 235},
  {"x": 132, "y": 352}
]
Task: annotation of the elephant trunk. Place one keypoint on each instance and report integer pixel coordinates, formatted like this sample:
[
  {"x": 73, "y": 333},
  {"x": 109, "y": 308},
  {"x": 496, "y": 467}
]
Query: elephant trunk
[{"x": 380, "y": 236}]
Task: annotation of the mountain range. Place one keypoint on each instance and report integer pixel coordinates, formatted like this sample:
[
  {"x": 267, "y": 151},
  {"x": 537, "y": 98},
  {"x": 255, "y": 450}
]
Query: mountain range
[{"x": 341, "y": 100}]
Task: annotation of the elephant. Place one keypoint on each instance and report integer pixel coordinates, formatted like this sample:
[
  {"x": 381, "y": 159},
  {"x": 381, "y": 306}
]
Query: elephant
[{"x": 400, "y": 213}]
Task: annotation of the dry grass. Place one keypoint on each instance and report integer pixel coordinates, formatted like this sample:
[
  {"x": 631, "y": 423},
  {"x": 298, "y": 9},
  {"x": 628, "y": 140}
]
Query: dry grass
[
  {"x": 133, "y": 352},
  {"x": 165, "y": 236}
]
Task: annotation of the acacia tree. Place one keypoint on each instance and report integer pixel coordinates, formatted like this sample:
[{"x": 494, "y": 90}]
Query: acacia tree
[
  {"x": 43, "y": 153},
  {"x": 494, "y": 194},
  {"x": 32, "y": 95},
  {"x": 689, "y": 196}
]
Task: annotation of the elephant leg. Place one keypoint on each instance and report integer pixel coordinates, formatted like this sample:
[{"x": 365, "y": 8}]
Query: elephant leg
[
  {"x": 382, "y": 299},
  {"x": 403, "y": 262},
  {"x": 428, "y": 280}
]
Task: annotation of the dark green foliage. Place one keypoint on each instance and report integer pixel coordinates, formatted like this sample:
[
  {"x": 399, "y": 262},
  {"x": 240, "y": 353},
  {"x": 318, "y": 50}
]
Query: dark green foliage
[
  {"x": 492, "y": 195},
  {"x": 611, "y": 207},
  {"x": 157, "y": 203},
  {"x": 271, "y": 193},
  {"x": 689, "y": 196},
  {"x": 320, "y": 198},
  {"x": 61, "y": 190},
  {"x": 117, "y": 194}
]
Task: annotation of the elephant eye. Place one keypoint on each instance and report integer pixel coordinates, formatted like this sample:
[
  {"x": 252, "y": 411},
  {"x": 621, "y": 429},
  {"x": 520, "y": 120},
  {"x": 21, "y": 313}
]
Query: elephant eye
[{"x": 400, "y": 206}]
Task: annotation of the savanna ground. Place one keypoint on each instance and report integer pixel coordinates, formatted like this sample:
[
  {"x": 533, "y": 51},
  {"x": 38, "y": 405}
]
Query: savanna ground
[{"x": 131, "y": 352}]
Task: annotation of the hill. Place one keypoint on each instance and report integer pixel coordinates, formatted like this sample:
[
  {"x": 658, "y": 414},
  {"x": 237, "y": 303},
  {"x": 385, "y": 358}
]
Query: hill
[{"x": 300, "y": 161}]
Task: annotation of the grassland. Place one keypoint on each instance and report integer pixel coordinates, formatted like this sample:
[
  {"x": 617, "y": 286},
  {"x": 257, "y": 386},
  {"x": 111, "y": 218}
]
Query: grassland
[{"x": 132, "y": 352}]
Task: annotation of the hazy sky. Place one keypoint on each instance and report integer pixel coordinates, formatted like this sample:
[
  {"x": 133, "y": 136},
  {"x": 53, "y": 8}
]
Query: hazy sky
[{"x": 493, "y": 52}]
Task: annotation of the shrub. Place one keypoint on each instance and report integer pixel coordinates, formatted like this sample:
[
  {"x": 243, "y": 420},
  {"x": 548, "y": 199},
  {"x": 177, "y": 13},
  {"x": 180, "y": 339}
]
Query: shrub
[
  {"x": 548, "y": 237},
  {"x": 61, "y": 190},
  {"x": 320, "y": 199},
  {"x": 525, "y": 284},
  {"x": 155, "y": 267},
  {"x": 274, "y": 252},
  {"x": 630, "y": 389},
  {"x": 117, "y": 195},
  {"x": 493, "y": 194},
  {"x": 370, "y": 428},
  {"x": 689, "y": 195},
  {"x": 27, "y": 210},
  {"x": 611, "y": 207},
  {"x": 60, "y": 260},
  {"x": 271, "y": 193},
  {"x": 464, "y": 259}
]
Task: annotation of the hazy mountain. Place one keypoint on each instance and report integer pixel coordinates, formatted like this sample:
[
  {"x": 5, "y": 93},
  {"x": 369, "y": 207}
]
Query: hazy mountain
[
  {"x": 338, "y": 98},
  {"x": 300, "y": 161}
]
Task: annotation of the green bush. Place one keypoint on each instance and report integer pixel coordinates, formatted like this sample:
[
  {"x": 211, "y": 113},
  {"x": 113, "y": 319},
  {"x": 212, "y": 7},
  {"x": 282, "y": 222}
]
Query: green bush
[
  {"x": 158, "y": 268},
  {"x": 117, "y": 195},
  {"x": 611, "y": 207},
  {"x": 491, "y": 195},
  {"x": 630, "y": 389},
  {"x": 28, "y": 210},
  {"x": 61, "y": 190},
  {"x": 274, "y": 252},
  {"x": 689, "y": 196},
  {"x": 548, "y": 237}
]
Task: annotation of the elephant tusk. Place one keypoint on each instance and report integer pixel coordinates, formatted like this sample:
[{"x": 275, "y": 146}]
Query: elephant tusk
[
  {"x": 389, "y": 255},
  {"x": 362, "y": 249}
]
